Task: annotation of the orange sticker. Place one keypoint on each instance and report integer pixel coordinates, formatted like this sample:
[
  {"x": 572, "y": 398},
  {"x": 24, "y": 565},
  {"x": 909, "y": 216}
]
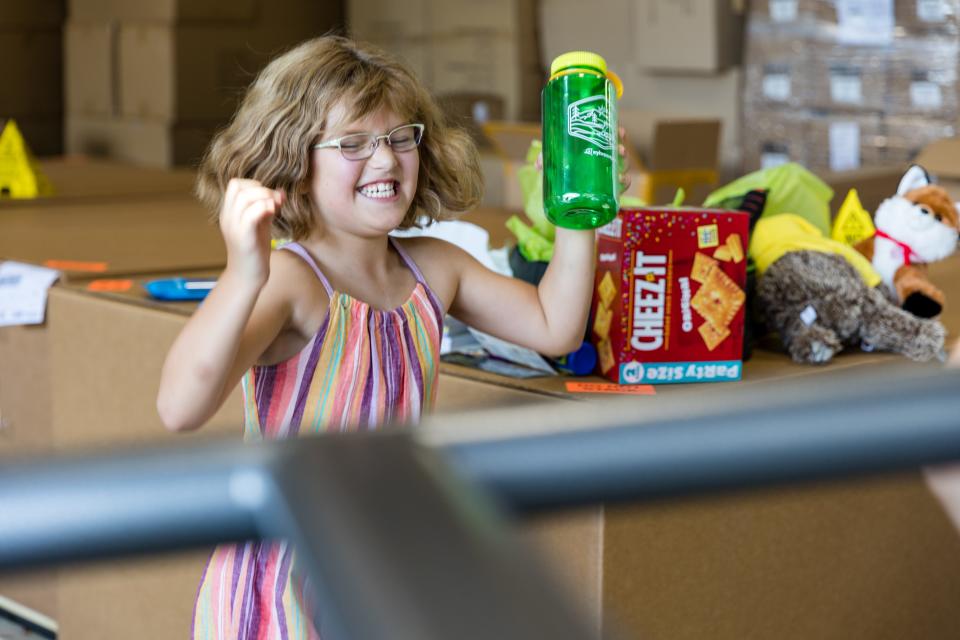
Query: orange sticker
[
  {"x": 609, "y": 387},
  {"x": 110, "y": 285},
  {"x": 76, "y": 265}
]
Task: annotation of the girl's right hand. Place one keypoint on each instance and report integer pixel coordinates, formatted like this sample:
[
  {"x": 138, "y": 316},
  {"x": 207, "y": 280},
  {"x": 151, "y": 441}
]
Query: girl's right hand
[{"x": 245, "y": 219}]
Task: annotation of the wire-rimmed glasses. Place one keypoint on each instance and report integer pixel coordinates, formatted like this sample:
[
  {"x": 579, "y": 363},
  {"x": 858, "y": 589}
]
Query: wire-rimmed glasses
[{"x": 360, "y": 146}]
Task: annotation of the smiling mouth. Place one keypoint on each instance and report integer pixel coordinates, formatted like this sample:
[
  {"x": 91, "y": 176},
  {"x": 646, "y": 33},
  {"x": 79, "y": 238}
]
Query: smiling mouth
[{"x": 379, "y": 190}]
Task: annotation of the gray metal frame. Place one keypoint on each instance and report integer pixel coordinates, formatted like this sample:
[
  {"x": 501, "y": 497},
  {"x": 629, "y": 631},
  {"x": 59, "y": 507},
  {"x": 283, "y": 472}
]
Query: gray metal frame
[{"x": 401, "y": 532}]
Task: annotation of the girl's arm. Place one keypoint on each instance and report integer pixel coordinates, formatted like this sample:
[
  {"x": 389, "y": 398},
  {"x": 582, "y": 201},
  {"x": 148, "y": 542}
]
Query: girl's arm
[
  {"x": 550, "y": 318},
  {"x": 238, "y": 320}
]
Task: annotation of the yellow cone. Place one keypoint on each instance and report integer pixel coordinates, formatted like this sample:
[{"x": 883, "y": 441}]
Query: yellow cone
[{"x": 20, "y": 176}]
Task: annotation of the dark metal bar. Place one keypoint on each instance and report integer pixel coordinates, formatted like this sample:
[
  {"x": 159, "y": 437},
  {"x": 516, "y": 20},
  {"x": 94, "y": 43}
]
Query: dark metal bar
[
  {"x": 78, "y": 508},
  {"x": 398, "y": 547},
  {"x": 707, "y": 440},
  {"x": 396, "y": 532}
]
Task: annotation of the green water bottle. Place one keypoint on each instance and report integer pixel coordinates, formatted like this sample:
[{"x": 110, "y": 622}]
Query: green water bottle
[{"x": 580, "y": 159}]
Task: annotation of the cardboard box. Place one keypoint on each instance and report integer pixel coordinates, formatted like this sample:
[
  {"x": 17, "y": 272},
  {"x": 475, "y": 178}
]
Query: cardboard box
[
  {"x": 77, "y": 179},
  {"x": 515, "y": 17},
  {"x": 32, "y": 14},
  {"x": 32, "y": 73},
  {"x": 905, "y": 137},
  {"x": 164, "y": 10},
  {"x": 714, "y": 97},
  {"x": 415, "y": 52},
  {"x": 667, "y": 153},
  {"x": 922, "y": 78},
  {"x": 106, "y": 395},
  {"x": 143, "y": 142},
  {"x": 847, "y": 78},
  {"x": 927, "y": 18},
  {"x": 773, "y": 138},
  {"x": 381, "y": 20},
  {"x": 941, "y": 159},
  {"x": 186, "y": 73},
  {"x": 90, "y": 68},
  {"x": 43, "y": 134},
  {"x": 669, "y": 296},
  {"x": 844, "y": 142},
  {"x": 471, "y": 111},
  {"x": 792, "y": 13},
  {"x": 566, "y": 25},
  {"x": 97, "y": 237},
  {"x": 873, "y": 185},
  {"x": 777, "y": 72},
  {"x": 688, "y": 37},
  {"x": 503, "y": 65}
]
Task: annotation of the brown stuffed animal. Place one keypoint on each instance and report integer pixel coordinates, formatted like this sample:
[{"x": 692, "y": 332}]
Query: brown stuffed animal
[{"x": 821, "y": 295}]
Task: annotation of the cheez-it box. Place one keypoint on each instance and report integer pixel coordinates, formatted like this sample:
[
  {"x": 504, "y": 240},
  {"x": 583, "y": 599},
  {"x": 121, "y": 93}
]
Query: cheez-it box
[{"x": 669, "y": 297}]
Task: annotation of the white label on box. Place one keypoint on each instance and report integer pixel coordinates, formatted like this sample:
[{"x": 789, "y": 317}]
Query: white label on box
[
  {"x": 931, "y": 10},
  {"x": 846, "y": 87},
  {"x": 926, "y": 95},
  {"x": 23, "y": 293},
  {"x": 783, "y": 10},
  {"x": 776, "y": 86},
  {"x": 844, "y": 146},
  {"x": 770, "y": 159},
  {"x": 865, "y": 22}
]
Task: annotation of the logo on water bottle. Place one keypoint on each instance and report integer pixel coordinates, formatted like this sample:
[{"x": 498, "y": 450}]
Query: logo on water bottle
[{"x": 589, "y": 119}]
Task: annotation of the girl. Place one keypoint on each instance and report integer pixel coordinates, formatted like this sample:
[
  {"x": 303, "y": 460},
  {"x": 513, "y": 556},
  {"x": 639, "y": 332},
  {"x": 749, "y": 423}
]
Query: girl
[{"x": 334, "y": 146}]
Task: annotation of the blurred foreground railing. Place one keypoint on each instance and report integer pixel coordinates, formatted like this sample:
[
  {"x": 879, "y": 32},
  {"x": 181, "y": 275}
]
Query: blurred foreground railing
[{"x": 402, "y": 533}]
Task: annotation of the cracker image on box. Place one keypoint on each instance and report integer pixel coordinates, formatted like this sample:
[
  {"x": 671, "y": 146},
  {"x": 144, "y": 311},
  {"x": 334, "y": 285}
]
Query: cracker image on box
[
  {"x": 723, "y": 253},
  {"x": 736, "y": 247},
  {"x": 718, "y": 299},
  {"x": 605, "y": 354},
  {"x": 607, "y": 289},
  {"x": 712, "y": 336},
  {"x": 702, "y": 266},
  {"x": 601, "y": 323},
  {"x": 669, "y": 295}
]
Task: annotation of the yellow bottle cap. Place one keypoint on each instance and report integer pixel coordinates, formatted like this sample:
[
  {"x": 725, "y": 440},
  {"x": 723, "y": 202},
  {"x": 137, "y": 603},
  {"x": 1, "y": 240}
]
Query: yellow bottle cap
[{"x": 578, "y": 59}]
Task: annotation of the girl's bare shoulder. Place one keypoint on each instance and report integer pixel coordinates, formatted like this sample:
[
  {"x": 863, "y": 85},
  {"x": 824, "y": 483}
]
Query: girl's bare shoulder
[{"x": 294, "y": 284}]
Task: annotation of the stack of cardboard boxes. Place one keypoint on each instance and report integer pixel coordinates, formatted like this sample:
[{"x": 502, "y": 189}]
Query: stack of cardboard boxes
[
  {"x": 149, "y": 82},
  {"x": 838, "y": 85},
  {"x": 480, "y": 58},
  {"x": 31, "y": 70},
  {"x": 677, "y": 58}
]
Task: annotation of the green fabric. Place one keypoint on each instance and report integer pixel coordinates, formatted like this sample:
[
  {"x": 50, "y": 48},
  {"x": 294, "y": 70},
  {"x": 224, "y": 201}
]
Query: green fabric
[
  {"x": 790, "y": 189},
  {"x": 535, "y": 240},
  {"x": 533, "y": 246}
]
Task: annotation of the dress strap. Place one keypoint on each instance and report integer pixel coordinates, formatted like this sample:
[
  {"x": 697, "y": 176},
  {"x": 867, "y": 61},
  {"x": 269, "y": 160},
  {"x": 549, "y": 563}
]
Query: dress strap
[
  {"x": 407, "y": 260},
  {"x": 298, "y": 249},
  {"x": 418, "y": 275}
]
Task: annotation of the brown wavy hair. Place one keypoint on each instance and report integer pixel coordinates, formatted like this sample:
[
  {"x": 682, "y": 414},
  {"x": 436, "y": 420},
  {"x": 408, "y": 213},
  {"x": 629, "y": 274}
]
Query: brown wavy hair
[{"x": 285, "y": 110}]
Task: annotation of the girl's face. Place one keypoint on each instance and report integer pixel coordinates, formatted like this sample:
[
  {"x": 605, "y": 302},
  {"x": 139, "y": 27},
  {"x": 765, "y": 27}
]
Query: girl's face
[{"x": 367, "y": 197}]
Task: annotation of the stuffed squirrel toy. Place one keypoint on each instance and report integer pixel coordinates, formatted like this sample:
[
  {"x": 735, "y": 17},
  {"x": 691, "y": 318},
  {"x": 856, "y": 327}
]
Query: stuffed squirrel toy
[{"x": 821, "y": 294}]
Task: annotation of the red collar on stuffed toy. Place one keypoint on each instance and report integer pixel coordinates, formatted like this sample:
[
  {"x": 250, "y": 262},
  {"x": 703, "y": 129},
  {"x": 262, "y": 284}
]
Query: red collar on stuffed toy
[{"x": 907, "y": 251}]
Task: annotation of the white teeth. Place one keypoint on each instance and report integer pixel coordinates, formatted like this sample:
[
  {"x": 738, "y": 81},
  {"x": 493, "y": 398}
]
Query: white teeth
[{"x": 379, "y": 190}]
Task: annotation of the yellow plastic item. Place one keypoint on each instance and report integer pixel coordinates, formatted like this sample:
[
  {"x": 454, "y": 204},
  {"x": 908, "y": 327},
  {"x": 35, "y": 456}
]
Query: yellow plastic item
[
  {"x": 576, "y": 61},
  {"x": 20, "y": 176},
  {"x": 853, "y": 223}
]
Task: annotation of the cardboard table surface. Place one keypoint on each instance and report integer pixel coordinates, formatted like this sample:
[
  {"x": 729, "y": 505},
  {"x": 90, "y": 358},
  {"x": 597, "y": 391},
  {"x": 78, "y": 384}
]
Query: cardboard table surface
[
  {"x": 78, "y": 179},
  {"x": 136, "y": 235}
]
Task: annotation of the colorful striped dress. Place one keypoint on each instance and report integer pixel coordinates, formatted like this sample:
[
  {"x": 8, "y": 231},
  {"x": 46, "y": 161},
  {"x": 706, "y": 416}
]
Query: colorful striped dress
[{"x": 364, "y": 367}]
